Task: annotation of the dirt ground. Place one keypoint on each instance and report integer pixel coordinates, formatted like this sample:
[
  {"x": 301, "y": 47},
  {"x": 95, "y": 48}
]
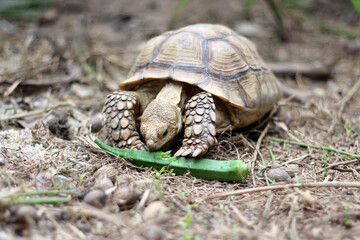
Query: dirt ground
[{"x": 55, "y": 74}]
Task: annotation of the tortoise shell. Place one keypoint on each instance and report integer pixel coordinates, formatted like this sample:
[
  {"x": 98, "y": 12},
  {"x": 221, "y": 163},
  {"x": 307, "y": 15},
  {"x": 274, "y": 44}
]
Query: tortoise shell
[{"x": 215, "y": 59}]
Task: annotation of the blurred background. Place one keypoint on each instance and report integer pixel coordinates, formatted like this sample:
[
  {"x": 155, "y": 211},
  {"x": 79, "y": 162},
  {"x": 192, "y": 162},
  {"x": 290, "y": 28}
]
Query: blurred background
[{"x": 104, "y": 37}]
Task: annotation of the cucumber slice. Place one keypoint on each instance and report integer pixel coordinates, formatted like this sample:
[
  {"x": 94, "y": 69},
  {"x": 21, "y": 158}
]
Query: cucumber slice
[{"x": 231, "y": 170}]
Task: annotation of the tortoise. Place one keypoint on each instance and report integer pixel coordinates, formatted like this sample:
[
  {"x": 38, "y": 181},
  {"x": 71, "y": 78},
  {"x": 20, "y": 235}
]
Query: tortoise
[{"x": 203, "y": 76}]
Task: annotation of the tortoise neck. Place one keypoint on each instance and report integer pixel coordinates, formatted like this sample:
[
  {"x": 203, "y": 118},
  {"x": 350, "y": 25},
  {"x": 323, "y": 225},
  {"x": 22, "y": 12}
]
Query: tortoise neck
[{"x": 171, "y": 93}]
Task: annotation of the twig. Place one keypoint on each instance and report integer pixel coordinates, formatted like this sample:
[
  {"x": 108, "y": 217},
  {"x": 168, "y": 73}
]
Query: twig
[
  {"x": 286, "y": 186},
  {"x": 346, "y": 170},
  {"x": 315, "y": 70},
  {"x": 347, "y": 97},
  {"x": 13, "y": 87},
  {"x": 334, "y": 165},
  {"x": 296, "y": 159},
  {"x": 328, "y": 148},
  {"x": 256, "y": 152},
  {"x": 35, "y": 113}
]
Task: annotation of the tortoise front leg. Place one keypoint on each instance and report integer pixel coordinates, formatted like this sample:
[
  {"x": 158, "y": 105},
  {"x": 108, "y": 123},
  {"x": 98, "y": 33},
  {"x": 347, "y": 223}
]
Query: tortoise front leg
[
  {"x": 199, "y": 126},
  {"x": 119, "y": 113}
]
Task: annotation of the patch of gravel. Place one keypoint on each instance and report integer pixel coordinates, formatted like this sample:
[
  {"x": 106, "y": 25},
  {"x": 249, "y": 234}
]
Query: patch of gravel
[{"x": 21, "y": 144}]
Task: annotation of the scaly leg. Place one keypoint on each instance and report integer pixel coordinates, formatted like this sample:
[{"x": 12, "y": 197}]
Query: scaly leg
[
  {"x": 199, "y": 126},
  {"x": 119, "y": 113}
]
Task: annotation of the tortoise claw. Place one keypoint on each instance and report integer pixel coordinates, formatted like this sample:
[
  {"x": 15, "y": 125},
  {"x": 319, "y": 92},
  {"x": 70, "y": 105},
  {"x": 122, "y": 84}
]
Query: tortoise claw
[{"x": 192, "y": 150}]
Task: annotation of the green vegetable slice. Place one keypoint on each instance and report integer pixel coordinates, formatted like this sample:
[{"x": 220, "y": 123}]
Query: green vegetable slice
[{"x": 232, "y": 170}]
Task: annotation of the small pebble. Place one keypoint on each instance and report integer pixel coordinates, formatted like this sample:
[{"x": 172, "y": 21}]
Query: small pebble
[
  {"x": 96, "y": 198},
  {"x": 292, "y": 169},
  {"x": 106, "y": 171},
  {"x": 124, "y": 180},
  {"x": 103, "y": 183},
  {"x": 278, "y": 175},
  {"x": 2, "y": 161},
  {"x": 154, "y": 210},
  {"x": 43, "y": 181},
  {"x": 126, "y": 197}
]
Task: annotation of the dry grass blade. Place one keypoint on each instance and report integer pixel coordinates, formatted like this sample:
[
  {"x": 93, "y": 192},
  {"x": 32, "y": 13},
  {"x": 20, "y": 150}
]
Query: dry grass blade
[
  {"x": 286, "y": 186},
  {"x": 256, "y": 152}
]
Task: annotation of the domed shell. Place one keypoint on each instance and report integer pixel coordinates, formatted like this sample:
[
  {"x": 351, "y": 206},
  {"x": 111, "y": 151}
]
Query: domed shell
[{"x": 213, "y": 58}]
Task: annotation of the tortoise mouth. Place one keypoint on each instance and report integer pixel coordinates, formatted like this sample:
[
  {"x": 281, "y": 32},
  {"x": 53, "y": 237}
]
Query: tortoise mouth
[
  {"x": 152, "y": 141},
  {"x": 152, "y": 145}
]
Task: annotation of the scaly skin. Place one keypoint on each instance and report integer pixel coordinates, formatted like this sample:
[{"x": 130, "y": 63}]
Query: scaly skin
[
  {"x": 119, "y": 113},
  {"x": 199, "y": 126}
]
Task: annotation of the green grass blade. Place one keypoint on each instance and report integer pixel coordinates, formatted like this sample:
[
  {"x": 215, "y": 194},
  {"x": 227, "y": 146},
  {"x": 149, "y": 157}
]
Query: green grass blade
[
  {"x": 178, "y": 9},
  {"x": 24, "y": 9},
  {"x": 276, "y": 12},
  {"x": 249, "y": 4},
  {"x": 356, "y": 4}
]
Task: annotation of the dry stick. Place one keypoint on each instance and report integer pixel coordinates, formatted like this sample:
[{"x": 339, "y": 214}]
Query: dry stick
[
  {"x": 297, "y": 159},
  {"x": 333, "y": 166},
  {"x": 256, "y": 152},
  {"x": 13, "y": 86},
  {"x": 314, "y": 70},
  {"x": 347, "y": 97},
  {"x": 37, "y": 112},
  {"x": 286, "y": 186}
]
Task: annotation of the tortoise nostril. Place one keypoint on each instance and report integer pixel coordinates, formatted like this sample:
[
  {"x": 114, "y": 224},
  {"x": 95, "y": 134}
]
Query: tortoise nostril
[{"x": 165, "y": 133}]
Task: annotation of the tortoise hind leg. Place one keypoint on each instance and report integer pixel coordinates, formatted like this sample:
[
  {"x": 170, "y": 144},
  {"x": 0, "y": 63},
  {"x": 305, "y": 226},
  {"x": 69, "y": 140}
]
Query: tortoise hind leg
[
  {"x": 199, "y": 126},
  {"x": 119, "y": 113}
]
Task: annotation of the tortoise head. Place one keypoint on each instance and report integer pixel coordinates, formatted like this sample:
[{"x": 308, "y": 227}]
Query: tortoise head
[{"x": 160, "y": 123}]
